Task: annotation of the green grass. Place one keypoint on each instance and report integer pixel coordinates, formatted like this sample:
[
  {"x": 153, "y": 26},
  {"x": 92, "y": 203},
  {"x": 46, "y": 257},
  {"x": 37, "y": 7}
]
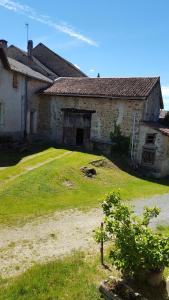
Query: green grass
[
  {"x": 45, "y": 189},
  {"x": 75, "y": 277},
  {"x": 163, "y": 229}
]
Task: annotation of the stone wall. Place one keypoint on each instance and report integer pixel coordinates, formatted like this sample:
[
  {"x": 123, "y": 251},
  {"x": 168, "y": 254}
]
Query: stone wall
[
  {"x": 107, "y": 112},
  {"x": 160, "y": 167}
]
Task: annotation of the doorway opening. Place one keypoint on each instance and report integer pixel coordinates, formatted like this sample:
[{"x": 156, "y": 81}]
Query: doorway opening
[{"x": 79, "y": 136}]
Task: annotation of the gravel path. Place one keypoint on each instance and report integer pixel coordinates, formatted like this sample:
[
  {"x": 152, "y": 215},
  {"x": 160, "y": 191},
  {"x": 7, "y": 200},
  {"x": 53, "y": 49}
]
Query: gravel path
[
  {"x": 50, "y": 237},
  {"x": 161, "y": 201},
  {"x": 46, "y": 239}
]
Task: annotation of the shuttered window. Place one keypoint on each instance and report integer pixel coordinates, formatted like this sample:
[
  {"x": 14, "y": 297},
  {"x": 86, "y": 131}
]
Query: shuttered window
[{"x": 148, "y": 156}]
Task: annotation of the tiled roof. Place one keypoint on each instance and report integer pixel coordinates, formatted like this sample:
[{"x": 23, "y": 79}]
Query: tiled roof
[
  {"x": 22, "y": 56},
  {"x": 55, "y": 62},
  {"x": 157, "y": 126},
  {"x": 23, "y": 69},
  {"x": 136, "y": 87}
]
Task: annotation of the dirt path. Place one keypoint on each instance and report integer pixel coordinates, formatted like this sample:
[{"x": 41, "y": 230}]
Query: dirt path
[
  {"x": 50, "y": 237},
  {"x": 46, "y": 239}
]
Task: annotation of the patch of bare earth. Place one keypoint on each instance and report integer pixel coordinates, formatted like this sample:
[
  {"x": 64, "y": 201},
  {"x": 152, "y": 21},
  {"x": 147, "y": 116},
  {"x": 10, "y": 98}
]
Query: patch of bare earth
[{"x": 46, "y": 239}]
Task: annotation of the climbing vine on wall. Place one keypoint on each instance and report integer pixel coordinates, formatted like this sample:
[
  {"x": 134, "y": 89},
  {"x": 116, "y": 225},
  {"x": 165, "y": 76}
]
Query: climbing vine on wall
[{"x": 120, "y": 143}]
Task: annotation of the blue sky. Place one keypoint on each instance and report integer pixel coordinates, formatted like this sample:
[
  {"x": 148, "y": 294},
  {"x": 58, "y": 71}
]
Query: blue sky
[{"x": 112, "y": 37}]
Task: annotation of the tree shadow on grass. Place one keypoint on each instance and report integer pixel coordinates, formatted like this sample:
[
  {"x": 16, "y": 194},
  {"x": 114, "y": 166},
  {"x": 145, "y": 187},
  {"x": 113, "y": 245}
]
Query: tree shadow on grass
[
  {"x": 122, "y": 162},
  {"x": 10, "y": 156}
]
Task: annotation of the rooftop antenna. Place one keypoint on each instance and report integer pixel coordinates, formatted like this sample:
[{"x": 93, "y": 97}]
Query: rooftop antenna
[{"x": 27, "y": 32}]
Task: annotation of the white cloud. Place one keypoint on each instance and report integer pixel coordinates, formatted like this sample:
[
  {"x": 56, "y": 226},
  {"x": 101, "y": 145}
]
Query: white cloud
[
  {"x": 165, "y": 93},
  {"x": 32, "y": 14},
  {"x": 92, "y": 70}
]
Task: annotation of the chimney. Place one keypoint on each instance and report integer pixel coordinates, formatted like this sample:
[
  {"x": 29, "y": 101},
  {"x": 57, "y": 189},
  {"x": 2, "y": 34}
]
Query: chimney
[
  {"x": 30, "y": 47},
  {"x": 3, "y": 44}
]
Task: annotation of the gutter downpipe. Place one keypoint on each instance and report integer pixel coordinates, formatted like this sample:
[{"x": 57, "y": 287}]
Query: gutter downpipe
[
  {"x": 26, "y": 107},
  {"x": 132, "y": 138}
]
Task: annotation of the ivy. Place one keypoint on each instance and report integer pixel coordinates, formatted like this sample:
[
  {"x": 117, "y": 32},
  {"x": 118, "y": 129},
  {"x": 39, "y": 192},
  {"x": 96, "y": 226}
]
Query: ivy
[{"x": 120, "y": 143}]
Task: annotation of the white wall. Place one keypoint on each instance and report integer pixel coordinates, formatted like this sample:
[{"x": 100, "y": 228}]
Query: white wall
[{"x": 13, "y": 101}]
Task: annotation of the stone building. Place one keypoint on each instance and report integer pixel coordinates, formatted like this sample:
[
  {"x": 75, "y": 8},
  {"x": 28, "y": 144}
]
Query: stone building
[
  {"x": 83, "y": 111},
  {"x": 46, "y": 97},
  {"x": 153, "y": 149},
  {"x": 96, "y": 104}
]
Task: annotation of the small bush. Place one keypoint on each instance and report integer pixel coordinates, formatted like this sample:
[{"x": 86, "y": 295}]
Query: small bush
[{"x": 135, "y": 247}]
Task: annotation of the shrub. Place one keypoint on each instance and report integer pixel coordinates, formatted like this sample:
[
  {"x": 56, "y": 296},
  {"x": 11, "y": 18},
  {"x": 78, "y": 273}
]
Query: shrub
[
  {"x": 135, "y": 246},
  {"x": 120, "y": 143}
]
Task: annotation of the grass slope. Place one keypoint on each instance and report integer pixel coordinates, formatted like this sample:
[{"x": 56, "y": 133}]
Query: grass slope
[
  {"x": 59, "y": 184},
  {"x": 75, "y": 277}
]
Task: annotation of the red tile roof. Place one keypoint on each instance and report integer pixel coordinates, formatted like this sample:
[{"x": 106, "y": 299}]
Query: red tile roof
[{"x": 136, "y": 87}]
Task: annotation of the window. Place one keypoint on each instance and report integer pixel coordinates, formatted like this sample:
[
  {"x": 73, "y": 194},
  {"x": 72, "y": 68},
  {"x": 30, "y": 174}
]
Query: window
[
  {"x": 15, "y": 80},
  {"x": 148, "y": 156},
  {"x": 150, "y": 138}
]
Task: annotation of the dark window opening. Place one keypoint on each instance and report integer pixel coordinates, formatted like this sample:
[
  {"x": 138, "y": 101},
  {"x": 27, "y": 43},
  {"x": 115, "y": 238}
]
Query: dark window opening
[
  {"x": 79, "y": 136},
  {"x": 148, "y": 156},
  {"x": 150, "y": 138}
]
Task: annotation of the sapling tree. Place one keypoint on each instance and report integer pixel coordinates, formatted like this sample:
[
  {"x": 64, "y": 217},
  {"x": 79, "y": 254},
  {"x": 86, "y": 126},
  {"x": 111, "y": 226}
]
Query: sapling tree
[{"x": 135, "y": 246}]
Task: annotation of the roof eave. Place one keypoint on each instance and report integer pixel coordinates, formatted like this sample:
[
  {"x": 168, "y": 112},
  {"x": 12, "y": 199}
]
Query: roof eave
[
  {"x": 95, "y": 96},
  {"x": 32, "y": 77}
]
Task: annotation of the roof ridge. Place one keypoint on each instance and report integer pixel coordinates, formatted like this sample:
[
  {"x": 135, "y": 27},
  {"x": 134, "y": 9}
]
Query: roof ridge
[
  {"x": 24, "y": 52},
  {"x": 99, "y": 78}
]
